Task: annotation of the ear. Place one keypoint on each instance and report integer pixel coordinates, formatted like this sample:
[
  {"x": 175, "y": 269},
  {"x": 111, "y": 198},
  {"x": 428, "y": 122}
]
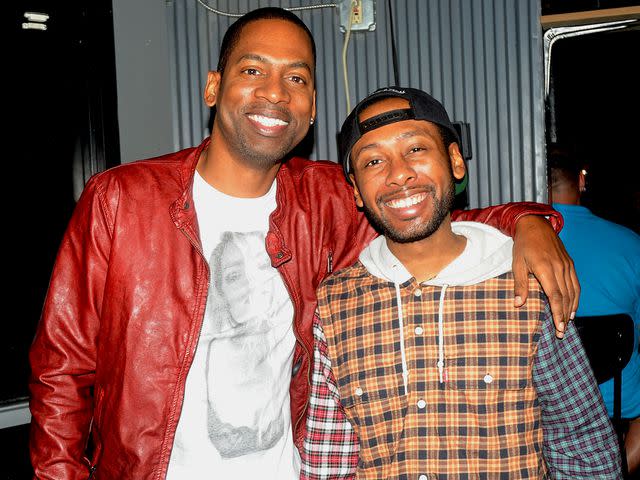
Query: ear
[
  {"x": 211, "y": 89},
  {"x": 582, "y": 181},
  {"x": 356, "y": 192},
  {"x": 313, "y": 105},
  {"x": 457, "y": 161}
]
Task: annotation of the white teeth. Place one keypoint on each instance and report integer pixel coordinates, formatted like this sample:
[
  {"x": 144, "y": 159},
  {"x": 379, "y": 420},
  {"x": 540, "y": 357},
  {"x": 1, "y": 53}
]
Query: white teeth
[
  {"x": 268, "y": 121},
  {"x": 406, "y": 202}
]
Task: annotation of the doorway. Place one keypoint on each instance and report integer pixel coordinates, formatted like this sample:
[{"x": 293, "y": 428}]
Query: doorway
[{"x": 593, "y": 109}]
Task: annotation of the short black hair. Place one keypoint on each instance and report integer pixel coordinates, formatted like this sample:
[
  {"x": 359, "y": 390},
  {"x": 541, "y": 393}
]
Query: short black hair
[
  {"x": 562, "y": 165},
  {"x": 232, "y": 36}
]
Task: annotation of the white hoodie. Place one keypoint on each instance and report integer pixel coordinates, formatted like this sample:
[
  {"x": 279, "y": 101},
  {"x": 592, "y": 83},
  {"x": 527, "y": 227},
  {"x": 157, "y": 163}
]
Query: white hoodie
[{"x": 487, "y": 254}]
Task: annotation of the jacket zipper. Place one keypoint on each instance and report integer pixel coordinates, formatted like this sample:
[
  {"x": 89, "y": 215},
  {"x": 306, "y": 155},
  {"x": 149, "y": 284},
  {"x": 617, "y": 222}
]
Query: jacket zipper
[
  {"x": 171, "y": 420},
  {"x": 294, "y": 300},
  {"x": 309, "y": 357}
]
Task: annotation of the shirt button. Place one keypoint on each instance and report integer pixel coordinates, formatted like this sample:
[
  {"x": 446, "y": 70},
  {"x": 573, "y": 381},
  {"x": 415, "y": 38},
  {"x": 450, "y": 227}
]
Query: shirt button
[
  {"x": 279, "y": 255},
  {"x": 417, "y": 293},
  {"x": 419, "y": 330},
  {"x": 421, "y": 404},
  {"x": 488, "y": 378},
  {"x": 359, "y": 392},
  {"x": 422, "y": 477}
]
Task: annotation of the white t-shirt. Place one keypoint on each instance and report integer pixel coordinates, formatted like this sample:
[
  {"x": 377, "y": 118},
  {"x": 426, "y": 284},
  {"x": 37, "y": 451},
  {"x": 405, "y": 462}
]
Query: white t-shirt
[{"x": 236, "y": 418}]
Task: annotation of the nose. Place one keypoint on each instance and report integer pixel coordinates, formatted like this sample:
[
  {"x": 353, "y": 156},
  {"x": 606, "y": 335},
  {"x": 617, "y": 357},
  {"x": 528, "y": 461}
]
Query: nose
[
  {"x": 273, "y": 89},
  {"x": 400, "y": 172}
]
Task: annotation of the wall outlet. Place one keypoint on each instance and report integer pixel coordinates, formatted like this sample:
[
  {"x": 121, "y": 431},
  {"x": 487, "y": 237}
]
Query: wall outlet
[
  {"x": 364, "y": 14},
  {"x": 356, "y": 12}
]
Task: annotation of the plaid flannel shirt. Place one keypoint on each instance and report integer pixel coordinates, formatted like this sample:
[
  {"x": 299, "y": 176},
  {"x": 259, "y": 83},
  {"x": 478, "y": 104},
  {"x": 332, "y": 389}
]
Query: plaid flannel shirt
[{"x": 579, "y": 441}]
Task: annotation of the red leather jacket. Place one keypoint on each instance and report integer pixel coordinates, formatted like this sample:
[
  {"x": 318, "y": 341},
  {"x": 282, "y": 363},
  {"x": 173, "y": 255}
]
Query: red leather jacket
[{"x": 127, "y": 298}]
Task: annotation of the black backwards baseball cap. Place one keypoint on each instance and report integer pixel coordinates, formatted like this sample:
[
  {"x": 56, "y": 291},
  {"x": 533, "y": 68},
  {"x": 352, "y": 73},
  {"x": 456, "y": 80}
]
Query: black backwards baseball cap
[{"x": 422, "y": 106}]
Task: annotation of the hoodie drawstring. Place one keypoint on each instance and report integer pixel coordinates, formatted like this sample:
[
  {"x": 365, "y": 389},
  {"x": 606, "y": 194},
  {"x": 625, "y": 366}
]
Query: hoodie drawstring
[
  {"x": 405, "y": 370},
  {"x": 441, "y": 334},
  {"x": 440, "y": 363}
]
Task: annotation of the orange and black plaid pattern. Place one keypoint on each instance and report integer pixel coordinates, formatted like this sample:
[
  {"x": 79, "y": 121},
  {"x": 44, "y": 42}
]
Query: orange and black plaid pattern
[{"x": 482, "y": 422}]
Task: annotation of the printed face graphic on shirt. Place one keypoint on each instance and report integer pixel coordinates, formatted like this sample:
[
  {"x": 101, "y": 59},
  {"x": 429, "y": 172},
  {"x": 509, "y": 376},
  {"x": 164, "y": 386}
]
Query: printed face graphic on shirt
[
  {"x": 247, "y": 297},
  {"x": 244, "y": 281}
]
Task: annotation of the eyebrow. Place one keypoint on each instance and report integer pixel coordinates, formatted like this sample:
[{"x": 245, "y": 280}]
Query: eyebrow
[
  {"x": 260, "y": 58},
  {"x": 409, "y": 134}
]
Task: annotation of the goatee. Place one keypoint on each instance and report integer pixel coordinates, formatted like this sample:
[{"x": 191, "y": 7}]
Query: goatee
[{"x": 441, "y": 208}]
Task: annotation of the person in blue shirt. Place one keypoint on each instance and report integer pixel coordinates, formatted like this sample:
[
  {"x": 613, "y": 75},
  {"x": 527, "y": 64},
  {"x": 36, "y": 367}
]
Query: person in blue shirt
[{"x": 607, "y": 261}]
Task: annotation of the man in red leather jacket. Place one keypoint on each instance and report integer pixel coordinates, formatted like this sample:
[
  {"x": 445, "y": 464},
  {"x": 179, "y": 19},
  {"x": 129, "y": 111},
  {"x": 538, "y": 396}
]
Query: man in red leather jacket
[{"x": 126, "y": 307}]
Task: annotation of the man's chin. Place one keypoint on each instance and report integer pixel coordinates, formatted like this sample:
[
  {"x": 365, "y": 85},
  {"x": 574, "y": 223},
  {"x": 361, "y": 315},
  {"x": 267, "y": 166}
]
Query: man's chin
[
  {"x": 263, "y": 159},
  {"x": 409, "y": 236},
  {"x": 406, "y": 232},
  {"x": 264, "y": 154}
]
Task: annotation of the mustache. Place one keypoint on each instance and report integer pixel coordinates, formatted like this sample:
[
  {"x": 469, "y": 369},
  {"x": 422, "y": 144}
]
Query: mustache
[
  {"x": 406, "y": 192},
  {"x": 268, "y": 110}
]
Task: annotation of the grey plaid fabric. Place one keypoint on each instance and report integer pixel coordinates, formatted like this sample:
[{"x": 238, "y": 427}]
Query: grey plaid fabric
[{"x": 579, "y": 441}]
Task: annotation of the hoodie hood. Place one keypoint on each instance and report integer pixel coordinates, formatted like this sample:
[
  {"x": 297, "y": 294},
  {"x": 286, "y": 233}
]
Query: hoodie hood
[{"x": 488, "y": 254}]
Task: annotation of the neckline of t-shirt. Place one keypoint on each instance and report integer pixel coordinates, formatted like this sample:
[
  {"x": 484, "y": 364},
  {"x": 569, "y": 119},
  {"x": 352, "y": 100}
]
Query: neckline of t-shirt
[{"x": 213, "y": 193}]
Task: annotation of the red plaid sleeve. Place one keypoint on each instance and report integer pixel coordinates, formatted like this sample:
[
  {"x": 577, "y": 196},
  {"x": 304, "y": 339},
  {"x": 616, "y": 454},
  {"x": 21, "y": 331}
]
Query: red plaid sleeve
[{"x": 331, "y": 447}]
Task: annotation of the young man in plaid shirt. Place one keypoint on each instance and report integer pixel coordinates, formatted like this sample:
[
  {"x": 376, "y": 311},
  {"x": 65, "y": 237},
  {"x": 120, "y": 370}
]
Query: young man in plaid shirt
[{"x": 420, "y": 354}]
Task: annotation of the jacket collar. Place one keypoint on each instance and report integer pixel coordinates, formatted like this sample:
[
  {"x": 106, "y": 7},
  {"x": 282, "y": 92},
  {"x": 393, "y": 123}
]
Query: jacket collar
[
  {"x": 182, "y": 210},
  {"x": 184, "y": 215}
]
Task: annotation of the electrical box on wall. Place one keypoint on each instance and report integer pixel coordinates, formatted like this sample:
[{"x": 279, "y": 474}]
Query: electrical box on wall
[{"x": 361, "y": 12}]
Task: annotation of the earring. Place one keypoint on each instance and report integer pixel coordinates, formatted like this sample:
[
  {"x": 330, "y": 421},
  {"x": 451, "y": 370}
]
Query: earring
[{"x": 312, "y": 121}]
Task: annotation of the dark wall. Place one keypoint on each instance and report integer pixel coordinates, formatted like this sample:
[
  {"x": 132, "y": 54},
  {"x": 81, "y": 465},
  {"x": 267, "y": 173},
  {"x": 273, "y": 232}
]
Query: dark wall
[
  {"x": 60, "y": 111},
  {"x": 597, "y": 103}
]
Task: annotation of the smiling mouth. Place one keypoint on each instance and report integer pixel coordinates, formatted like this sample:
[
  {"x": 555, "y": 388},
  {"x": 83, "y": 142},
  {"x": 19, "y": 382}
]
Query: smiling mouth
[
  {"x": 268, "y": 122},
  {"x": 406, "y": 202}
]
